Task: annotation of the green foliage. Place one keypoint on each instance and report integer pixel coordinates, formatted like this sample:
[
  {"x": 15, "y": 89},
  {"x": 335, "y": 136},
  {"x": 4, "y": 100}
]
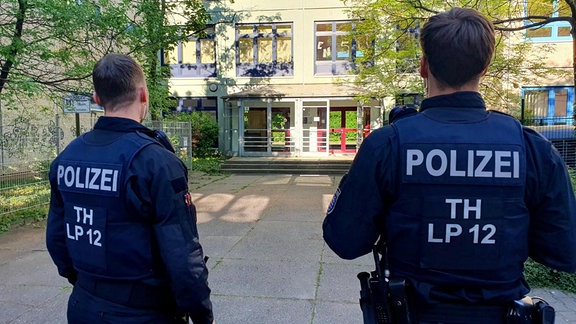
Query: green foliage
[
  {"x": 23, "y": 203},
  {"x": 57, "y": 42},
  {"x": 539, "y": 276},
  {"x": 204, "y": 132},
  {"x": 209, "y": 165},
  {"x": 23, "y": 217},
  {"x": 161, "y": 24},
  {"x": 390, "y": 23}
]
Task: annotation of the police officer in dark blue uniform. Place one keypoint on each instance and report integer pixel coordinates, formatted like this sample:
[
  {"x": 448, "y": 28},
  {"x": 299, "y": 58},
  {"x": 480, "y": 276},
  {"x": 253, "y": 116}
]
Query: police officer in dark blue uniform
[
  {"x": 122, "y": 226},
  {"x": 461, "y": 195}
]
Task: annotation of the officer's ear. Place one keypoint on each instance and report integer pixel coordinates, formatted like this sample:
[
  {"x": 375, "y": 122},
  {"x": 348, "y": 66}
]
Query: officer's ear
[
  {"x": 424, "y": 67},
  {"x": 143, "y": 95},
  {"x": 97, "y": 99}
]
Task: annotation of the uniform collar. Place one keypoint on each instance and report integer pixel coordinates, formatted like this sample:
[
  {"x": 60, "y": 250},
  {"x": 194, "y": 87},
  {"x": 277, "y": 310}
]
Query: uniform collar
[
  {"x": 463, "y": 99},
  {"x": 119, "y": 124}
]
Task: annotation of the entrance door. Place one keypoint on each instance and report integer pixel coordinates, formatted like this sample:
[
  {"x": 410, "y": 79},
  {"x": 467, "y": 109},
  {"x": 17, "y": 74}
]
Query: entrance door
[
  {"x": 315, "y": 127},
  {"x": 268, "y": 128},
  {"x": 282, "y": 134},
  {"x": 343, "y": 129},
  {"x": 255, "y": 129}
]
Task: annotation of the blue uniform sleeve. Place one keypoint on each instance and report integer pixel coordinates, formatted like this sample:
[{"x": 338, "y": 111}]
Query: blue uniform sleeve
[
  {"x": 550, "y": 199},
  {"x": 55, "y": 231},
  {"x": 174, "y": 217},
  {"x": 355, "y": 217}
]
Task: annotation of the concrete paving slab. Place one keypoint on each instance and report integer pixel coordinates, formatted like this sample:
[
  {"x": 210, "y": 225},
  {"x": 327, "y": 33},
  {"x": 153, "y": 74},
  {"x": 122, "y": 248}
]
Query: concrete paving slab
[
  {"x": 339, "y": 283},
  {"x": 273, "y": 279},
  {"x": 274, "y": 240},
  {"x": 218, "y": 247},
  {"x": 332, "y": 313},
  {"x": 236, "y": 310}
]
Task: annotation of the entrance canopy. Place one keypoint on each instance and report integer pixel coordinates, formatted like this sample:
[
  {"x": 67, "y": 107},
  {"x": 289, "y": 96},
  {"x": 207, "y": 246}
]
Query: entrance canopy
[{"x": 277, "y": 91}]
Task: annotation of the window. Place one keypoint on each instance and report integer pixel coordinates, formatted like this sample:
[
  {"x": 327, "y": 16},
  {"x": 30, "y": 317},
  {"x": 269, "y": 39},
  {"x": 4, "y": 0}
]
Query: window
[
  {"x": 559, "y": 30},
  {"x": 336, "y": 51},
  {"x": 205, "y": 104},
  {"x": 549, "y": 105},
  {"x": 194, "y": 57},
  {"x": 264, "y": 50}
]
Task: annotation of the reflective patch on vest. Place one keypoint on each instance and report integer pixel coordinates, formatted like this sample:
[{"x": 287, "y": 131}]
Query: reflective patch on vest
[
  {"x": 188, "y": 199},
  {"x": 89, "y": 177},
  {"x": 479, "y": 164},
  {"x": 86, "y": 235},
  {"x": 334, "y": 201},
  {"x": 462, "y": 233}
]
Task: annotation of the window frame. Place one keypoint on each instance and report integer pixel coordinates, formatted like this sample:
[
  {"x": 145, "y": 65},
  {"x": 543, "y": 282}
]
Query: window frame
[
  {"x": 550, "y": 110},
  {"x": 264, "y": 69},
  {"x": 336, "y": 66},
  {"x": 553, "y": 26},
  {"x": 197, "y": 69}
]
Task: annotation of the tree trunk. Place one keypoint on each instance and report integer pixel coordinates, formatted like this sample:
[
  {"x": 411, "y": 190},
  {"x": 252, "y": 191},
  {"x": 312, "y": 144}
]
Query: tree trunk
[{"x": 15, "y": 45}]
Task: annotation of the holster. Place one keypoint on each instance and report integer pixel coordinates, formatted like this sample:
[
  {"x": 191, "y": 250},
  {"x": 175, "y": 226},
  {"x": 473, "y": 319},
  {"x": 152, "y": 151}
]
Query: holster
[
  {"x": 531, "y": 310},
  {"x": 383, "y": 300}
]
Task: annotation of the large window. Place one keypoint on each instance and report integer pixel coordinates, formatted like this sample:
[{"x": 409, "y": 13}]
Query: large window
[
  {"x": 336, "y": 51},
  {"x": 549, "y": 105},
  {"x": 195, "y": 57},
  {"x": 264, "y": 50},
  {"x": 554, "y": 31},
  {"x": 204, "y": 104}
]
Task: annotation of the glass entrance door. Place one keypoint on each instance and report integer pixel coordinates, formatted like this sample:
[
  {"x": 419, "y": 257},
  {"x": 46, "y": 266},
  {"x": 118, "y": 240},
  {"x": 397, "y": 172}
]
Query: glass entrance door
[
  {"x": 268, "y": 128},
  {"x": 283, "y": 128},
  {"x": 255, "y": 129},
  {"x": 314, "y": 127}
]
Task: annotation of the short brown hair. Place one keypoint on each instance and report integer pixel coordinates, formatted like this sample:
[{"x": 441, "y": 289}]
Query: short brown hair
[
  {"x": 458, "y": 44},
  {"x": 115, "y": 78}
]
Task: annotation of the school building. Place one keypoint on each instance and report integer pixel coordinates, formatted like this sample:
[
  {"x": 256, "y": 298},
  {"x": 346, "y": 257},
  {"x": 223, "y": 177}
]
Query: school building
[{"x": 276, "y": 76}]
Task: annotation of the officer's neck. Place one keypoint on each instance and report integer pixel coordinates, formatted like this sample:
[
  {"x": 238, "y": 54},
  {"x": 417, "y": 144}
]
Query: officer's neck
[
  {"x": 435, "y": 88},
  {"x": 130, "y": 111}
]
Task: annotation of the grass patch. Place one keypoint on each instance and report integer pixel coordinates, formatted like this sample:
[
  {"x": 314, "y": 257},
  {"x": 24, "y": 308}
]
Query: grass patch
[
  {"x": 23, "y": 204},
  {"x": 23, "y": 217},
  {"x": 208, "y": 165}
]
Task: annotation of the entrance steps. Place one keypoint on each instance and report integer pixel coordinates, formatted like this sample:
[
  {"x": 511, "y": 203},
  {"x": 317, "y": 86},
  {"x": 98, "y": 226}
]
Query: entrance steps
[{"x": 332, "y": 165}]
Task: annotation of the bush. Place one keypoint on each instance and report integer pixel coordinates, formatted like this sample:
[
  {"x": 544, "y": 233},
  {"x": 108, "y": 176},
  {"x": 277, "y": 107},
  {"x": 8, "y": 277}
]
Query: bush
[
  {"x": 209, "y": 165},
  {"x": 539, "y": 276},
  {"x": 204, "y": 132}
]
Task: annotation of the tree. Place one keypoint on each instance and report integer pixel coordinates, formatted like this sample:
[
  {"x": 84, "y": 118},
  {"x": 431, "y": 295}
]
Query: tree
[
  {"x": 394, "y": 26},
  {"x": 159, "y": 25},
  {"x": 48, "y": 47}
]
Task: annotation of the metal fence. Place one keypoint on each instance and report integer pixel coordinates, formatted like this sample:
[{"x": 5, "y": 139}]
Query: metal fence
[
  {"x": 28, "y": 146},
  {"x": 561, "y": 132}
]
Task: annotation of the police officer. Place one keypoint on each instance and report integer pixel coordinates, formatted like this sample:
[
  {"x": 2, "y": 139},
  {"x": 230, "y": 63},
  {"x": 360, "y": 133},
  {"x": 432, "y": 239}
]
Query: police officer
[
  {"x": 461, "y": 195},
  {"x": 122, "y": 226}
]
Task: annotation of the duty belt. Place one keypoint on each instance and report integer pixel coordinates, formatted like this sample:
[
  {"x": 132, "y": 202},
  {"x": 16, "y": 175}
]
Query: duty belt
[{"x": 128, "y": 293}]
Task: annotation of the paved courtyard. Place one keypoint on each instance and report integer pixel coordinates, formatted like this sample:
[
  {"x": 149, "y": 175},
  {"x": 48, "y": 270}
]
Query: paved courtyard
[{"x": 268, "y": 262}]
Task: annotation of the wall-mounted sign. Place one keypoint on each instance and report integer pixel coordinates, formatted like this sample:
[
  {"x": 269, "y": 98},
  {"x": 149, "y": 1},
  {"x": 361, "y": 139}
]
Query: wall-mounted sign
[{"x": 76, "y": 104}]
